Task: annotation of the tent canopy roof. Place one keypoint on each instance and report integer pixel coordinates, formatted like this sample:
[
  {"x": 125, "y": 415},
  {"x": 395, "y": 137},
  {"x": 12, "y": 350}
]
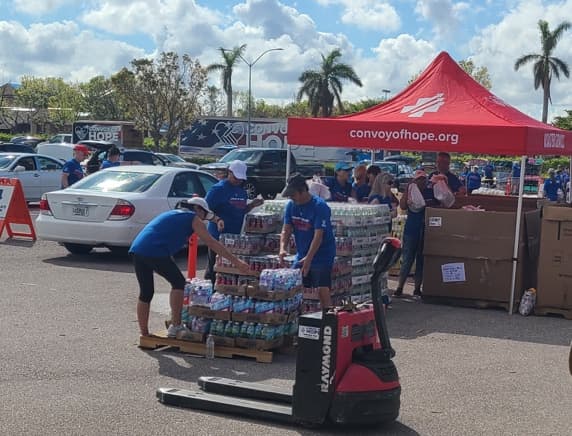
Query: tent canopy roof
[{"x": 445, "y": 109}]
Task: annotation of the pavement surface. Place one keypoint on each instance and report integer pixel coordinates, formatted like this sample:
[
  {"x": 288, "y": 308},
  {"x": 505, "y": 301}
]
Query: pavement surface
[{"x": 70, "y": 363}]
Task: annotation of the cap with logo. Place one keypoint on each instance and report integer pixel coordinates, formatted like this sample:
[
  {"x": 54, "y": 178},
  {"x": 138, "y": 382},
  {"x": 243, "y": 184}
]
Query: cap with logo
[
  {"x": 418, "y": 174},
  {"x": 238, "y": 169},
  {"x": 82, "y": 148},
  {"x": 296, "y": 183},
  {"x": 197, "y": 201}
]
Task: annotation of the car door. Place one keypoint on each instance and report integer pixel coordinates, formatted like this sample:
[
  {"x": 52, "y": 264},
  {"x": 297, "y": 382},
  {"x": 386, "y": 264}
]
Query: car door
[
  {"x": 50, "y": 171},
  {"x": 29, "y": 177},
  {"x": 185, "y": 185},
  {"x": 271, "y": 170}
]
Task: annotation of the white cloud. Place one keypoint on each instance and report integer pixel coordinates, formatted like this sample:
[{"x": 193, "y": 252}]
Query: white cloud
[
  {"x": 60, "y": 49},
  {"x": 498, "y": 46},
  {"x": 445, "y": 15},
  {"x": 367, "y": 14},
  {"x": 38, "y": 7}
]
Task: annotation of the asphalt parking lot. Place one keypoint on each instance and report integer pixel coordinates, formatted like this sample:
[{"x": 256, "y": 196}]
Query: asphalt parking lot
[{"x": 71, "y": 365}]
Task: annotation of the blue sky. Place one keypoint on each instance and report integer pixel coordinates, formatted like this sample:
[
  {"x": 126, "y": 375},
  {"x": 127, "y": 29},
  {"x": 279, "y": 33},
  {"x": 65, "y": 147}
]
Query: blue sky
[{"x": 386, "y": 41}]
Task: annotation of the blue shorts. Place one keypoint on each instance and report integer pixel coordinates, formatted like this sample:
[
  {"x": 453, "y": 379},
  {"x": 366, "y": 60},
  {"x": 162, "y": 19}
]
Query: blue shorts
[{"x": 318, "y": 277}]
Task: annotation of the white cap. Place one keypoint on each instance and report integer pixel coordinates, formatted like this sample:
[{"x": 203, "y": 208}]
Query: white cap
[
  {"x": 238, "y": 168},
  {"x": 198, "y": 201}
]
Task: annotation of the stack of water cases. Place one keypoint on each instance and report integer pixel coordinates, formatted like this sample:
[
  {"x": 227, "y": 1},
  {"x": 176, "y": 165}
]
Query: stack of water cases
[{"x": 359, "y": 230}]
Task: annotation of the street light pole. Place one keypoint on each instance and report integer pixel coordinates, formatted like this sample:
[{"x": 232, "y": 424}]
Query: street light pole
[
  {"x": 250, "y": 65},
  {"x": 385, "y": 93}
]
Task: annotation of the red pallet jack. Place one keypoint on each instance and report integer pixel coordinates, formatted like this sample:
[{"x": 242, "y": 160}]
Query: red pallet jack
[{"x": 344, "y": 371}]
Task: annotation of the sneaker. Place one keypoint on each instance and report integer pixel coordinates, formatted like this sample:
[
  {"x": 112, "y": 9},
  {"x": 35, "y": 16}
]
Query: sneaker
[
  {"x": 417, "y": 293},
  {"x": 176, "y": 330},
  {"x": 398, "y": 293}
]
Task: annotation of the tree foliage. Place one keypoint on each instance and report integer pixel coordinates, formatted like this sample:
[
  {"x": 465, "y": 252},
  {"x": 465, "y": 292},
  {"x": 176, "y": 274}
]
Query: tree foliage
[
  {"x": 162, "y": 95},
  {"x": 100, "y": 100},
  {"x": 480, "y": 74},
  {"x": 545, "y": 65},
  {"x": 323, "y": 87},
  {"x": 229, "y": 60},
  {"x": 564, "y": 122}
]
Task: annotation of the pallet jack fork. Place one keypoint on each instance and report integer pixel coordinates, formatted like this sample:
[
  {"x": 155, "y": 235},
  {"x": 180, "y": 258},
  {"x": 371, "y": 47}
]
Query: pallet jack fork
[{"x": 344, "y": 370}]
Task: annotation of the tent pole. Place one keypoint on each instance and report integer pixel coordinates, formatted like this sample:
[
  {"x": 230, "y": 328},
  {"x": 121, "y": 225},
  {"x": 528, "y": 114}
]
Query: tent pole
[
  {"x": 568, "y": 195},
  {"x": 517, "y": 232},
  {"x": 373, "y": 156},
  {"x": 288, "y": 162}
]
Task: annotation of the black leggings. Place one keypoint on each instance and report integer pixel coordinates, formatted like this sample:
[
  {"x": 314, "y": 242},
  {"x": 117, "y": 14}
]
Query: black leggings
[{"x": 164, "y": 266}]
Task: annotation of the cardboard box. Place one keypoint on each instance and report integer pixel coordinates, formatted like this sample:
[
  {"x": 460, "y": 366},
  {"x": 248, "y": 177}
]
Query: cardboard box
[
  {"x": 223, "y": 341},
  {"x": 555, "y": 262},
  {"x": 468, "y": 254},
  {"x": 496, "y": 203},
  {"x": 256, "y": 292},
  {"x": 205, "y": 312},
  {"x": 262, "y": 318},
  {"x": 236, "y": 290}
]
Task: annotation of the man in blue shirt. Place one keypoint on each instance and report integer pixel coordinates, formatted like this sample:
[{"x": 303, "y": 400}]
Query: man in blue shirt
[
  {"x": 473, "y": 180},
  {"x": 153, "y": 250},
  {"x": 443, "y": 167},
  {"x": 229, "y": 201},
  {"x": 340, "y": 186},
  {"x": 72, "y": 170},
  {"x": 309, "y": 218},
  {"x": 551, "y": 186},
  {"x": 360, "y": 187},
  {"x": 112, "y": 160}
]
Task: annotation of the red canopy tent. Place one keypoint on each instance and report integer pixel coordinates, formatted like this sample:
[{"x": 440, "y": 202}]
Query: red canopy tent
[{"x": 445, "y": 109}]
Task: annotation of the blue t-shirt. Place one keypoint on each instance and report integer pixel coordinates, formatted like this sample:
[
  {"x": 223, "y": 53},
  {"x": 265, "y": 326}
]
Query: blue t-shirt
[
  {"x": 229, "y": 203},
  {"x": 452, "y": 180},
  {"x": 551, "y": 188},
  {"x": 515, "y": 170},
  {"x": 339, "y": 192},
  {"x": 382, "y": 200},
  {"x": 107, "y": 164},
  {"x": 164, "y": 235},
  {"x": 305, "y": 219},
  {"x": 473, "y": 180},
  {"x": 489, "y": 171},
  {"x": 415, "y": 222},
  {"x": 74, "y": 171},
  {"x": 362, "y": 191}
]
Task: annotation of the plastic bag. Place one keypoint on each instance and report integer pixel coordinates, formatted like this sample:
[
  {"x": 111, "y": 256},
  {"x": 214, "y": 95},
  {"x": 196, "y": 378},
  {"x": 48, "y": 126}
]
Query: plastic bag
[
  {"x": 443, "y": 194},
  {"x": 415, "y": 200},
  {"x": 527, "y": 302},
  {"x": 318, "y": 188}
]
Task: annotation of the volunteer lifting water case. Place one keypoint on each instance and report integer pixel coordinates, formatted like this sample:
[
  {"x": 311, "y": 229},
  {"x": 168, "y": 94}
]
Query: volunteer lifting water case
[{"x": 344, "y": 369}]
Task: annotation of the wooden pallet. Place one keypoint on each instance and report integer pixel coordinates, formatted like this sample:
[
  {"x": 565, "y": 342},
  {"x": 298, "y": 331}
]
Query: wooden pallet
[
  {"x": 467, "y": 302},
  {"x": 160, "y": 340},
  {"x": 543, "y": 311}
]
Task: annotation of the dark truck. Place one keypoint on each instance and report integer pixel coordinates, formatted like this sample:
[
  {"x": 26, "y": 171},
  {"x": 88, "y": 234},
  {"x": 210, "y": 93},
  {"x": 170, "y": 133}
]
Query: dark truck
[{"x": 266, "y": 169}]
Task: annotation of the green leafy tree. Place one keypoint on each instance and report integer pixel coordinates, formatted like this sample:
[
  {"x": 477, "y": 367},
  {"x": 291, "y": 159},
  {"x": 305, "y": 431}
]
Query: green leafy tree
[
  {"x": 480, "y": 74},
  {"x": 162, "y": 95},
  {"x": 324, "y": 86},
  {"x": 564, "y": 122},
  {"x": 545, "y": 64},
  {"x": 100, "y": 100},
  {"x": 352, "y": 107},
  {"x": 213, "y": 102},
  {"x": 229, "y": 60},
  {"x": 65, "y": 104}
]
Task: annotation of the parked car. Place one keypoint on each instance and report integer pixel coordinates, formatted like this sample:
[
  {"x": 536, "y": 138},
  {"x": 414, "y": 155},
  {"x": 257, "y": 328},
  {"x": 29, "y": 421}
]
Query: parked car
[
  {"x": 10, "y": 147},
  {"x": 60, "y": 138},
  {"x": 265, "y": 169},
  {"x": 402, "y": 173},
  {"x": 143, "y": 157},
  {"x": 30, "y": 141},
  {"x": 174, "y": 160},
  {"x": 109, "y": 208},
  {"x": 37, "y": 173}
]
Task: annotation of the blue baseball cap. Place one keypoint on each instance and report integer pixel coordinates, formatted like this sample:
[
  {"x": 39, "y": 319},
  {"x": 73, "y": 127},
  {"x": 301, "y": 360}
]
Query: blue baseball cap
[{"x": 343, "y": 166}]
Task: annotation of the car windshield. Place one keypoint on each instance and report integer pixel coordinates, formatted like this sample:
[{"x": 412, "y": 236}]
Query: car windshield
[
  {"x": 173, "y": 158},
  {"x": 5, "y": 161},
  {"x": 243, "y": 155},
  {"x": 118, "y": 181}
]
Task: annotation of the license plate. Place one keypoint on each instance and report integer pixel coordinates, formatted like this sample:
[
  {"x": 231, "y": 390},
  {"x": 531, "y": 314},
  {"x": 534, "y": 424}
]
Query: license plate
[{"x": 80, "y": 211}]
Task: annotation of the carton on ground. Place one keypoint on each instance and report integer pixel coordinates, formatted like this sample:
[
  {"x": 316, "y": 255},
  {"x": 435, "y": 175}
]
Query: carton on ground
[
  {"x": 555, "y": 262},
  {"x": 468, "y": 254}
]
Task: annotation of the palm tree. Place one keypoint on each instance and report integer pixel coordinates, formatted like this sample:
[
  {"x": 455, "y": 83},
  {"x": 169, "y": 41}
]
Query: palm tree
[
  {"x": 546, "y": 65},
  {"x": 324, "y": 85},
  {"x": 230, "y": 58}
]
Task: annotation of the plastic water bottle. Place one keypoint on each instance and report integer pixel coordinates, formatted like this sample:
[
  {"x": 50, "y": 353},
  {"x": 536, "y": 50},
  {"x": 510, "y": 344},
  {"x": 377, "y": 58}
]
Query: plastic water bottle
[{"x": 210, "y": 347}]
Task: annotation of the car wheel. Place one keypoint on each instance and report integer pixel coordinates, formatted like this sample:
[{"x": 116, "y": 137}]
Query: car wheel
[
  {"x": 78, "y": 248},
  {"x": 119, "y": 251},
  {"x": 251, "y": 190}
]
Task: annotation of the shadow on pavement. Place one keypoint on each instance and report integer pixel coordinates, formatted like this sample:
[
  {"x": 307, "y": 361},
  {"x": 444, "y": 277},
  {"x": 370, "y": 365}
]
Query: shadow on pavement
[
  {"x": 104, "y": 260},
  {"x": 18, "y": 242},
  {"x": 409, "y": 319}
]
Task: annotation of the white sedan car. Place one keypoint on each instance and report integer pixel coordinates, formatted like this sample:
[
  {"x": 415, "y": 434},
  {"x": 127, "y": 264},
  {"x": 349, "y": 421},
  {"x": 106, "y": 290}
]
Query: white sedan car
[
  {"x": 38, "y": 173},
  {"x": 110, "y": 207}
]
